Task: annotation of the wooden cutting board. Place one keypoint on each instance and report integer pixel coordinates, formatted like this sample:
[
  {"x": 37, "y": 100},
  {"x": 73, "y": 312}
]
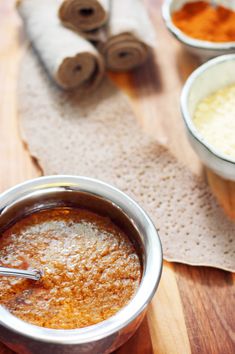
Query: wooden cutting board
[{"x": 193, "y": 310}]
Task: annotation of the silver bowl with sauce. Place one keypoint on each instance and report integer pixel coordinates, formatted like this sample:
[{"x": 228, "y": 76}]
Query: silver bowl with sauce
[
  {"x": 72, "y": 191},
  {"x": 203, "y": 49},
  {"x": 208, "y": 78}
]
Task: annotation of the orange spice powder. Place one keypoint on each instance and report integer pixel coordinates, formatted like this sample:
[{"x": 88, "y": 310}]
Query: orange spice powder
[{"x": 202, "y": 21}]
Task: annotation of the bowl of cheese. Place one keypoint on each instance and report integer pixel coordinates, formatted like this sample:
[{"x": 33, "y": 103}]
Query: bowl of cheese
[{"x": 208, "y": 110}]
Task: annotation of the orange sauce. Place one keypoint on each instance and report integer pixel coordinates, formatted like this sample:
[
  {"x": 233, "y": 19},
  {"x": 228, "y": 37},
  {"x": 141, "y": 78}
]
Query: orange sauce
[{"x": 91, "y": 268}]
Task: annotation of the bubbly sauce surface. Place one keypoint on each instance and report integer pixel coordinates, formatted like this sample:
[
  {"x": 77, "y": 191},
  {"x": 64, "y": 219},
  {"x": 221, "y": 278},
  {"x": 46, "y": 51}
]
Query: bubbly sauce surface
[{"x": 91, "y": 268}]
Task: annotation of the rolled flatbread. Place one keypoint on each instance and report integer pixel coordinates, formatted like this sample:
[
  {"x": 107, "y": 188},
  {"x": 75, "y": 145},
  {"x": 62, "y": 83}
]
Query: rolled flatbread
[
  {"x": 130, "y": 35},
  {"x": 69, "y": 58},
  {"x": 84, "y": 15}
]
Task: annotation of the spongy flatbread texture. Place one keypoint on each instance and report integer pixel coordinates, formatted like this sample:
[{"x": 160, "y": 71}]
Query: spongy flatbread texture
[{"x": 98, "y": 136}]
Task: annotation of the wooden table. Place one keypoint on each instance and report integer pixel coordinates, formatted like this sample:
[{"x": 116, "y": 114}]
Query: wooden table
[{"x": 193, "y": 310}]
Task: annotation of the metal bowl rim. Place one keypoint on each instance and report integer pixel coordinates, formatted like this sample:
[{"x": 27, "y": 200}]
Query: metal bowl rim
[{"x": 125, "y": 316}]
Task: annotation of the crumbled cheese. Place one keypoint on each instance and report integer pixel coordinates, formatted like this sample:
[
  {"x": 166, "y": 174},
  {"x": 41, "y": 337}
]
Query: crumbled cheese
[{"x": 214, "y": 117}]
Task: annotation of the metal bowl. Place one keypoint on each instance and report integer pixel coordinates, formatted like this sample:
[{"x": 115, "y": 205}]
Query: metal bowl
[
  {"x": 203, "y": 49},
  {"x": 211, "y": 76},
  {"x": 71, "y": 191}
]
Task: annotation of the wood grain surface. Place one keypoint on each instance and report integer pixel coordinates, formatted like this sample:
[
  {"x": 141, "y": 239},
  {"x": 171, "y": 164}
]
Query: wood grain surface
[{"x": 193, "y": 309}]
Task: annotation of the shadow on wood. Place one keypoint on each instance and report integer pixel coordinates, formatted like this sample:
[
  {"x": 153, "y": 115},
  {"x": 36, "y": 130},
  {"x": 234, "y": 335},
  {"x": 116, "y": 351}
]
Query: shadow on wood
[
  {"x": 148, "y": 77},
  {"x": 224, "y": 191},
  {"x": 5, "y": 350},
  {"x": 186, "y": 63},
  {"x": 142, "y": 81},
  {"x": 140, "y": 343}
]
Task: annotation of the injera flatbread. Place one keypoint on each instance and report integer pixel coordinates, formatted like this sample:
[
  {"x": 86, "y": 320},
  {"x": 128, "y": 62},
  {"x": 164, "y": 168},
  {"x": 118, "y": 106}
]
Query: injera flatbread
[
  {"x": 70, "y": 60},
  {"x": 130, "y": 35},
  {"x": 83, "y": 15},
  {"x": 98, "y": 136}
]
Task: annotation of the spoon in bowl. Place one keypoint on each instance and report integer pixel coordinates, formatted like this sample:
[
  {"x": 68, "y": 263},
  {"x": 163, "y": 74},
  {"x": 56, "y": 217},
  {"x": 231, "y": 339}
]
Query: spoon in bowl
[{"x": 33, "y": 274}]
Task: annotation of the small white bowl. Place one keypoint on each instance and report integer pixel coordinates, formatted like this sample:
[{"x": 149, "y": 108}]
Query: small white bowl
[
  {"x": 203, "y": 49},
  {"x": 209, "y": 77}
]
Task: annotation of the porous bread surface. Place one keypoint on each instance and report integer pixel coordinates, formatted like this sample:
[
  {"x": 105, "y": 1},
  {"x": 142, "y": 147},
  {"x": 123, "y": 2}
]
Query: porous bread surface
[{"x": 98, "y": 136}]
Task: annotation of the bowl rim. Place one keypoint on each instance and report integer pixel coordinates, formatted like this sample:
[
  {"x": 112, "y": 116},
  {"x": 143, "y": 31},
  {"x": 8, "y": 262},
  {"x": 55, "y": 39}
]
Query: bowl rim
[
  {"x": 190, "y": 41},
  {"x": 184, "y": 105},
  {"x": 150, "y": 278}
]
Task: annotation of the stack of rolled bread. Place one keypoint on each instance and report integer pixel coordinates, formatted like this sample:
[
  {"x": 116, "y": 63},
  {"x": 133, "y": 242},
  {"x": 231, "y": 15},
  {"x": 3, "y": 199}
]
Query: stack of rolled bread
[{"x": 77, "y": 39}]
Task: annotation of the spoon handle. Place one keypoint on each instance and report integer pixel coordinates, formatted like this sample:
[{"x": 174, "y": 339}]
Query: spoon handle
[{"x": 33, "y": 274}]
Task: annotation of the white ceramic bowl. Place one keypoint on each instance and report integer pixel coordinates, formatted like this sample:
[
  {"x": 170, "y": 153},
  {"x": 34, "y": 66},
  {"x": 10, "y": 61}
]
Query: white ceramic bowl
[
  {"x": 209, "y": 77},
  {"x": 203, "y": 49}
]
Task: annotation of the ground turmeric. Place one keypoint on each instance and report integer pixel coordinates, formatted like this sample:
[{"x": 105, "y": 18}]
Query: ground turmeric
[{"x": 201, "y": 20}]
